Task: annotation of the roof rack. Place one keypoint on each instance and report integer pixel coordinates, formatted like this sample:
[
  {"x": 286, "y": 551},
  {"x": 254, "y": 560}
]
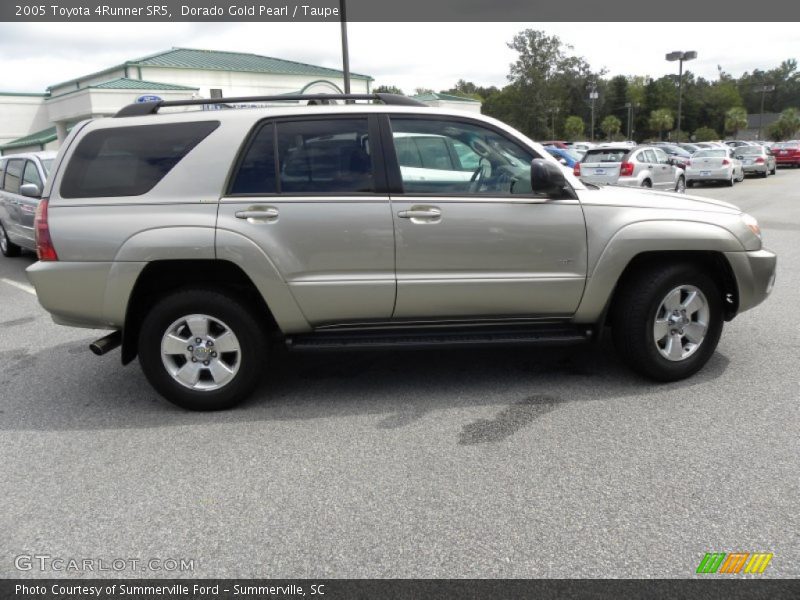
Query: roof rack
[{"x": 150, "y": 108}]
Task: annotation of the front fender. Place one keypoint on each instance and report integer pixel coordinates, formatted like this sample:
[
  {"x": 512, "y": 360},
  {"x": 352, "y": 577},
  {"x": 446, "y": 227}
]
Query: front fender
[{"x": 646, "y": 236}]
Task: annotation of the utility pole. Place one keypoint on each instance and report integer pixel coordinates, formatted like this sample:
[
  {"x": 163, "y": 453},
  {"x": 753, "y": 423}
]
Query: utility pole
[
  {"x": 345, "y": 51},
  {"x": 763, "y": 89},
  {"x": 593, "y": 95},
  {"x": 629, "y": 106}
]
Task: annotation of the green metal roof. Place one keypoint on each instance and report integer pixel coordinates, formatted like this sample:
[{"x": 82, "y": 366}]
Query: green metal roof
[
  {"x": 217, "y": 60},
  {"x": 446, "y": 97},
  {"x": 38, "y": 95},
  {"x": 123, "y": 83},
  {"x": 39, "y": 138}
]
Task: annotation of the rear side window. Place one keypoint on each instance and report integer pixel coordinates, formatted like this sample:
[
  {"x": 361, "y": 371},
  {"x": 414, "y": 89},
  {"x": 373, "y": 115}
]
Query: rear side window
[
  {"x": 31, "y": 174},
  {"x": 129, "y": 161},
  {"x": 317, "y": 156},
  {"x": 13, "y": 176}
]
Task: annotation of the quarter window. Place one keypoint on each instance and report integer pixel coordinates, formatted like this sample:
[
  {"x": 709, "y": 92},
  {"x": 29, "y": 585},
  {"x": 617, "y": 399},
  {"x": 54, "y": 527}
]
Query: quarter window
[
  {"x": 129, "y": 161},
  {"x": 31, "y": 174}
]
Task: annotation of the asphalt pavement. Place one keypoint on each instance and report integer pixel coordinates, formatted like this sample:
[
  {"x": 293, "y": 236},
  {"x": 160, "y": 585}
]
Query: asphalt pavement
[{"x": 453, "y": 463}]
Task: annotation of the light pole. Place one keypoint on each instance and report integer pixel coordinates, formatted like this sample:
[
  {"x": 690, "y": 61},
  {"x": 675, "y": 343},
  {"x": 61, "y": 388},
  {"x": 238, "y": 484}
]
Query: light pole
[
  {"x": 763, "y": 89},
  {"x": 629, "y": 106},
  {"x": 345, "y": 51},
  {"x": 593, "y": 95},
  {"x": 680, "y": 57}
]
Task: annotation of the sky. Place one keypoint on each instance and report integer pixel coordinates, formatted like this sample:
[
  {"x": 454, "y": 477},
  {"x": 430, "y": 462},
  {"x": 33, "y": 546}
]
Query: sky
[{"x": 408, "y": 55}]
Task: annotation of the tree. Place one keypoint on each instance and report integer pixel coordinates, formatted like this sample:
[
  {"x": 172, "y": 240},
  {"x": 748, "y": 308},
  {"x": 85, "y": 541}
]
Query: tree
[
  {"x": 421, "y": 90},
  {"x": 735, "y": 119},
  {"x": 574, "y": 128},
  {"x": 611, "y": 126},
  {"x": 787, "y": 125},
  {"x": 705, "y": 134},
  {"x": 388, "y": 89},
  {"x": 660, "y": 120}
]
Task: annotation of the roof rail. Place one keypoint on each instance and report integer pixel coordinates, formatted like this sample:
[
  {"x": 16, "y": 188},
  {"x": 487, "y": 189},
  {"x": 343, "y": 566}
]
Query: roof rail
[{"x": 150, "y": 108}]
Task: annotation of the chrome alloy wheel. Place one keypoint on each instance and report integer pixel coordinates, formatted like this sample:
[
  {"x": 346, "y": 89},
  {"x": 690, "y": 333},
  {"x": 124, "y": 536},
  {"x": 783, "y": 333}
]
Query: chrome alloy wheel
[
  {"x": 200, "y": 352},
  {"x": 3, "y": 240},
  {"x": 681, "y": 323}
]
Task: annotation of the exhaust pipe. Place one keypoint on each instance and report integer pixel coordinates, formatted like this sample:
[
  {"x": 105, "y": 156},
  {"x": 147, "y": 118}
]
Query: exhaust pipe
[{"x": 107, "y": 343}]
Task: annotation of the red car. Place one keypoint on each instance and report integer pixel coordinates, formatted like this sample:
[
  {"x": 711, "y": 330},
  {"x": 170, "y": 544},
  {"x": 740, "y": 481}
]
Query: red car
[{"x": 787, "y": 153}]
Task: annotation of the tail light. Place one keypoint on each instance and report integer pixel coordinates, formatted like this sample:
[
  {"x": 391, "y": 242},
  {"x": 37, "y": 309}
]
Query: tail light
[
  {"x": 44, "y": 243},
  {"x": 626, "y": 169},
  {"x": 760, "y": 160},
  {"x": 725, "y": 161},
  {"x": 576, "y": 170}
]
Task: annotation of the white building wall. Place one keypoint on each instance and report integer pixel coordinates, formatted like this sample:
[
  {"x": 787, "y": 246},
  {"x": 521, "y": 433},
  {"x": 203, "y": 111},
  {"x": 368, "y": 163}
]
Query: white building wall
[
  {"x": 471, "y": 107},
  {"x": 21, "y": 116}
]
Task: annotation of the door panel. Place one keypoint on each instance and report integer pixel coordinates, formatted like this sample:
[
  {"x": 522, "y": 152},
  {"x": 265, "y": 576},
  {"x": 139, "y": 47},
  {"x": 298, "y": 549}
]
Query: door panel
[
  {"x": 27, "y": 206},
  {"x": 330, "y": 238},
  {"x": 496, "y": 257},
  {"x": 11, "y": 197}
]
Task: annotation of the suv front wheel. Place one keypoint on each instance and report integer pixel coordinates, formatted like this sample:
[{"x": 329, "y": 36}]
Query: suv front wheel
[
  {"x": 667, "y": 321},
  {"x": 202, "y": 349}
]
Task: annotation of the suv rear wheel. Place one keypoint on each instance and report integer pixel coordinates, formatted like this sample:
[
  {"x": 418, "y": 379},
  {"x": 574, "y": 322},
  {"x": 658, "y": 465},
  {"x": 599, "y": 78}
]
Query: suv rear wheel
[
  {"x": 202, "y": 349},
  {"x": 7, "y": 247},
  {"x": 667, "y": 321}
]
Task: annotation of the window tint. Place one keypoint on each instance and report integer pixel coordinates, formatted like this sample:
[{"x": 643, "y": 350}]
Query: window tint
[
  {"x": 129, "y": 161},
  {"x": 454, "y": 157},
  {"x": 320, "y": 156},
  {"x": 13, "y": 176},
  {"x": 257, "y": 170},
  {"x": 31, "y": 174}
]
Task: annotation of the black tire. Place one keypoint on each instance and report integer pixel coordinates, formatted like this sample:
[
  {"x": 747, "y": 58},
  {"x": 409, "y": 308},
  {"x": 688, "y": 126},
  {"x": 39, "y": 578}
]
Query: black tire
[
  {"x": 690, "y": 184},
  {"x": 730, "y": 181},
  {"x": 765, "y": 174},
  {"x": 7, "y": 247},
  {"x": 228, "y": 309},
  {"x": 634, "y": 314},
  {"x": 647, "y": 184}
]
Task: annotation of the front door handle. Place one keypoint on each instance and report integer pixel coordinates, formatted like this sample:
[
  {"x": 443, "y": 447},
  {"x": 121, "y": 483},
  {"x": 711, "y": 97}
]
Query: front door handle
[
  {"x": 257, "y": 215},
  {"x": 421, "y": 214}
]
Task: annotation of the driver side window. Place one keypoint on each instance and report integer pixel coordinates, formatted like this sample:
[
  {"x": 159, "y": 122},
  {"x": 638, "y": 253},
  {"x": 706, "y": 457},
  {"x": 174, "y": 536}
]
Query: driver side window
[{"x": 459, "y": 158}]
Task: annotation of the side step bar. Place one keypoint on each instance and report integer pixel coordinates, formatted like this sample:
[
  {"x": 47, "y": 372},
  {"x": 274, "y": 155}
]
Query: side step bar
[{"x": 422, "y": 338}]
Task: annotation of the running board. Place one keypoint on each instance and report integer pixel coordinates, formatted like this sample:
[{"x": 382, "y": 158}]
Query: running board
[{"x": 426, "y": 338}]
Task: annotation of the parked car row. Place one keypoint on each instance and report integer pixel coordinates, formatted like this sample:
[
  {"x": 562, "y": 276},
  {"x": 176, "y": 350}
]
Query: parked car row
[{"x": 674, "y": 167}]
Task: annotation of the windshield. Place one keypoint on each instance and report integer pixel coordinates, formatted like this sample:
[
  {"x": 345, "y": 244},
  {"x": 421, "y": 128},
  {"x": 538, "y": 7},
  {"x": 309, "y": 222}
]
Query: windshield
[
  {"x": 711, "y": 153},
  {"x": 605, "y": 155},
  {"x": 749, "y": 150}
]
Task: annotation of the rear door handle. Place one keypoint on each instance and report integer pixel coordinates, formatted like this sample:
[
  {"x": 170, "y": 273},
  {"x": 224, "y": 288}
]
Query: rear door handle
[{"x": 255, "y": 215}]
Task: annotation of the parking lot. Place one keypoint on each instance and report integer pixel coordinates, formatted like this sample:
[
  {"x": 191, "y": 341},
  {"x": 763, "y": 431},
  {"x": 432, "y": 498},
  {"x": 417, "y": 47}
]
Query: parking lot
[{"x": 460, "y": 463}]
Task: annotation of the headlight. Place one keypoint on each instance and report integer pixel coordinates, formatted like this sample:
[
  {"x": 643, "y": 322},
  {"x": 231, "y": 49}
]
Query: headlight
[{"x": 752, "y": 224}]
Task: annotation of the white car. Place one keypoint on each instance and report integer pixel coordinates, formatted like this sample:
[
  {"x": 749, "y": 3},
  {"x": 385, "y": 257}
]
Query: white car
[{"x": 714, "y": 164}]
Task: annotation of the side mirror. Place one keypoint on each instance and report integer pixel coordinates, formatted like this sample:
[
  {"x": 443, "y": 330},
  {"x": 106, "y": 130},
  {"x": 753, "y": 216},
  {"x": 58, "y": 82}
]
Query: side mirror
[
  {"x": 31, "y": 190},
  {"x": 547, "y": 178}
]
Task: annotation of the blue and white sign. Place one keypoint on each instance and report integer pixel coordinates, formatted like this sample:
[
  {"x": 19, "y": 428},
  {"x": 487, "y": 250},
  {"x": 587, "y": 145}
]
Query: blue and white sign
[{"x": 149, "y": 99}]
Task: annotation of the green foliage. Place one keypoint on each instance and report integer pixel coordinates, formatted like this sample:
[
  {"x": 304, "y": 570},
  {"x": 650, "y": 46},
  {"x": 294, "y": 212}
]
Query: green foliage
[
  {"x": 421, "y": 90},
  {"x": 388, "y": 89},
  {"x": 470, "y": 90},
  {"x": 735, "y": 119},
  {"x": 660, "y": 120},
  {"x": 611, "y": 126},
  {"x": 786, "y": 126},
  {"x": 574, "y": 128},
  {"x": 705, "y": 134}
]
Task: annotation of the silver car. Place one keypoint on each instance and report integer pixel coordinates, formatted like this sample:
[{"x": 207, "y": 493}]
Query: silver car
[
  {"x": 22, "y": 178},
  {"x": 718, "y": 165},
  {"x": 205, "y": 239},
  {"x": 757, "y": 160},
  {"x": 643, "y": 166}
]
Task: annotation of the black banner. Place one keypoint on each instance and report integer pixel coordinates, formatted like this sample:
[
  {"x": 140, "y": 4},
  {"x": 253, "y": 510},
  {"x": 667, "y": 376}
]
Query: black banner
[
  {"x": 673, "y": 11},
  {"x": 390, "y": 589}
]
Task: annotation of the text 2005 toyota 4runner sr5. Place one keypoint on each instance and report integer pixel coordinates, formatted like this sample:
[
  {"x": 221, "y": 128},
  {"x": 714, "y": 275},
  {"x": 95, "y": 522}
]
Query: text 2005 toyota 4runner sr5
[{"x": 202, "y": 238}]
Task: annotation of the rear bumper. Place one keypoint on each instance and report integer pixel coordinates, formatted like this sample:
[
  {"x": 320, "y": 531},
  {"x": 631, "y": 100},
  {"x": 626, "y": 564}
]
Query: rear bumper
[
  {"x": 755, "y": 275},
  {"x": 787, "y": 160},
  {"x": 760, "y": 168},
  {"x": 708, "y": 174}
]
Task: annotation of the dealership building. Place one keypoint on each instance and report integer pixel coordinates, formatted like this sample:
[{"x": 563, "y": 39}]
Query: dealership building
[{"x": 31, "y": 122}]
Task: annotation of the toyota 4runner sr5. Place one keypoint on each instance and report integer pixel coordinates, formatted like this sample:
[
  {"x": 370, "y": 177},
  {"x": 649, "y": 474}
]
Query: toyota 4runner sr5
[{"x": 202, "y": 238}]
